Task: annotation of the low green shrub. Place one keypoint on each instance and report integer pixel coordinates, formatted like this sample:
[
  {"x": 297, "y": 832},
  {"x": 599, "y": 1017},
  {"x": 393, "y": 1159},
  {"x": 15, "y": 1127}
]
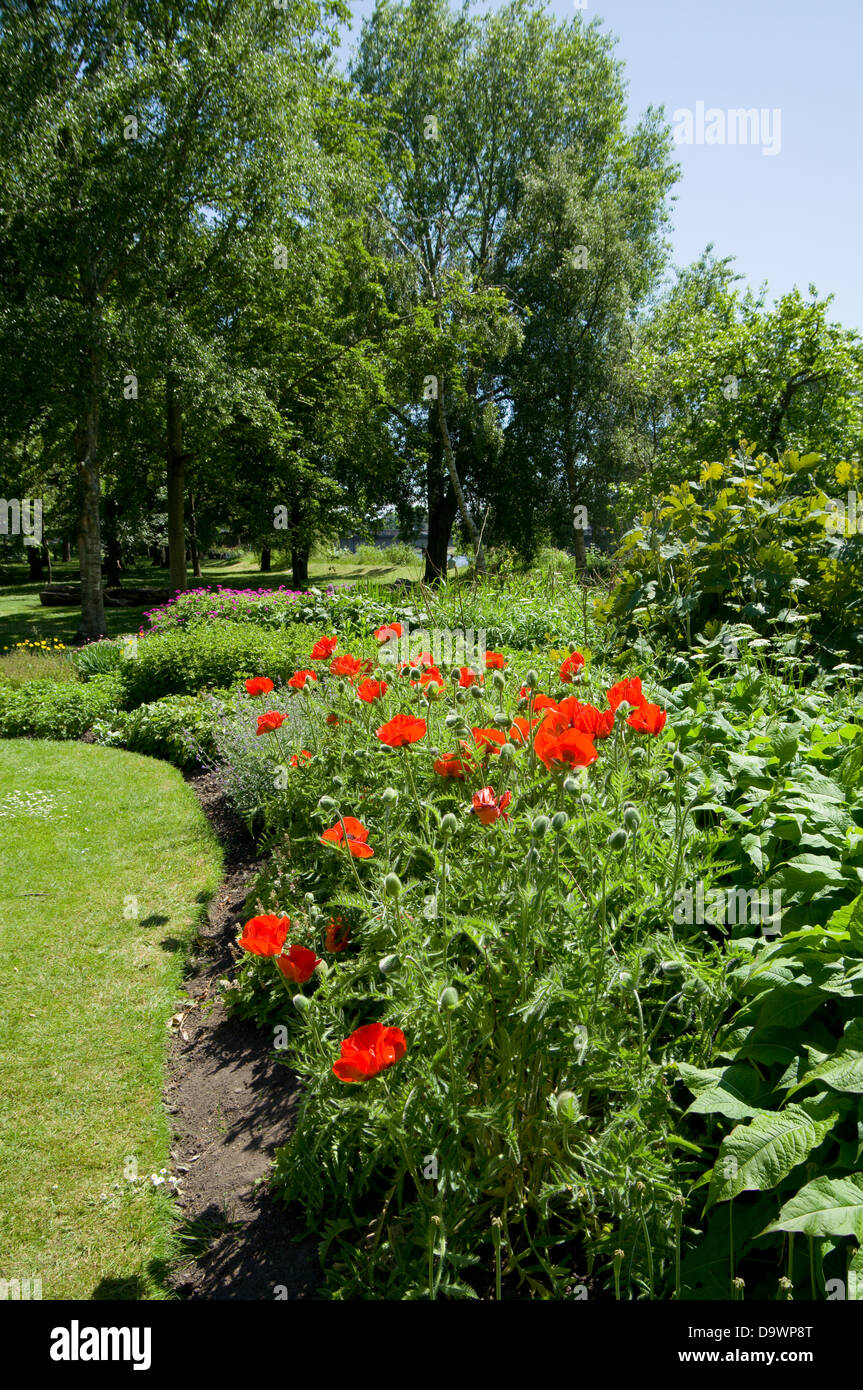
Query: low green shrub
[
  {"x": 100, "y": 658},
  {"x": 177, "y": 728},
  {"x": 206, "y": 657},
  {"x": 57, "y": 709}
]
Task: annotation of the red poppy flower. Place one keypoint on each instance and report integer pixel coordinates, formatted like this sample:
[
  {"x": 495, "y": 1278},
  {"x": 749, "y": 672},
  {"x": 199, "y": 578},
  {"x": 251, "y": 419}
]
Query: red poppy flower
[
  {"x": 494, "y": 661},
  {"x": 598, "y": 723},
  {"x": 265, "y": 936},
  {"x": 492, "y": 739},
  {"x": 647, "y": 719},
  {"x": 332, "y": 719},
  {"x": 349, "y": 666},
  {"x": 259, "y": 685},
  {"x": 370, "y": 690},
  {"x": 520, "y": 730},
  {"x": 369, "y": 1050},
  {"x": 628, "y": 690},
  {"x": 467, "y": 677},
  {"x": 566, "y": 748},
  {"x": 540, "y": 702},
  {"x": 338, "y": 934},
  {"x": 431, "y": 673},
  {"x": 323, "y": 648},
  {"x": 295, "y": 757},
  {"x": 451, "y": 765},
  {"x": 298, "y": 964},
  {"x": 300, "y": 679},
  {"x": 487, "y": 808},
  {"x": 269, "y": 722},
  {"x": 383, "y": 634},
  {"x": 355, "y": 833},
  {"x": 402, "y": 730},
  {"x": 571, "y": 666}
]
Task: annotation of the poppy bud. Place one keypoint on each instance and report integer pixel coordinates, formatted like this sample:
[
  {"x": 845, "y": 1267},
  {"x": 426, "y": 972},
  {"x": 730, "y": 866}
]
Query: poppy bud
[
  {"x": 531, "y": 680},
  {"x": 326, "y": 803},
  {"x": 301, "y": 1003},
  {"x": 533, "y": 855},
  {"x": 392, "y": 885},
  {"x": 507, "y": 752},
  {"x": 321, "y": 970},
  {"x": 678, "y": 762},
  {"x": 566, "y": 1106},
  {"x": 498, "y": 680},
  {"x": 389, "y": 796},
  {"x": 448, "y": 999},
  {"x": 451, "y": 718},
  {"x": 389, "y": 965},
  {"x": 587, "y": 799},
  {"x": 339, "y": 782},
  {"x": 449, "y": 824},
  {"x": 501, "y": 719},
  {"x": 570, "y": 785},
  {"x": 631, "y": 818},
  {"x": 559, "y": 821},
  {"x": 623, "y": 980},
  {"x": 475, "y": 692},
  {"x": 617, "y": 840},
  {"x": 539, "y": 828},
  {"x": 572, "y": 647}
]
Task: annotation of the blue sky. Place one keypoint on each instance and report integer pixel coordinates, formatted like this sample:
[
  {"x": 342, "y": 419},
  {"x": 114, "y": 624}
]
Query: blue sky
[{"x": 791, "y": 218}]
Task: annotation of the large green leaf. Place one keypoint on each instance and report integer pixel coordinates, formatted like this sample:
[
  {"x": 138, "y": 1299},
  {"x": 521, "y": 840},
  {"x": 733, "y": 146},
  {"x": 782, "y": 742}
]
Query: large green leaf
[
  {"x": 843, "y": 1071},
  {"x": 759, "y": 1155},
  {"x": 825, "y": 1207},
  {"x": 731, "y": 1091}
]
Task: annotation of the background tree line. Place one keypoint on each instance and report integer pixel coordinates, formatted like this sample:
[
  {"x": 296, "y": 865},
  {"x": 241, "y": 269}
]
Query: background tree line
[{"x": 236, "y": 278}]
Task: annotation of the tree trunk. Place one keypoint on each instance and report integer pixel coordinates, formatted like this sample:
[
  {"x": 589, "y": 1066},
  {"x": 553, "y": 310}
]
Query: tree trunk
[
  {"x": 92, "y": 624},
  {"x": 34, "y": 560},
  {"x": 46, "y": 561},
  {"x": 299, "y": 567},
  {"x": 266, "y": 559},
  {"x": 193, "y": 538},
  {"x": 442, "y": 507},
  {"x": 113, "y": 557},
  {"x": 67, "y": 550},
  {"x": 455, "y": 484},
  {"x": 176, "y": 463},
  {"x": 572, "y": 488}
]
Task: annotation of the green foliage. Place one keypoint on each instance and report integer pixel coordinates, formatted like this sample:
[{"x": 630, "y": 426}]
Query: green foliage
[
  {"x": 174, "y": 728},
  {"x": 57, "y": 709},
  {"x": 207, "y": 657},
  {"x": 99, "y": 658},
  {"x": 751, "y": 541}
]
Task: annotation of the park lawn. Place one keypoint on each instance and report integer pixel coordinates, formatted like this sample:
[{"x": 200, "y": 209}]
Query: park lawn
[
  {"x": 23, "y": 616},
  {"x": 86, "y": 995}
]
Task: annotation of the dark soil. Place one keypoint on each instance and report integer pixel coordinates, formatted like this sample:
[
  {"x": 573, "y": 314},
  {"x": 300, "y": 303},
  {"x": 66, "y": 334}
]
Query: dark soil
[{"x": 232, "y": 1106}]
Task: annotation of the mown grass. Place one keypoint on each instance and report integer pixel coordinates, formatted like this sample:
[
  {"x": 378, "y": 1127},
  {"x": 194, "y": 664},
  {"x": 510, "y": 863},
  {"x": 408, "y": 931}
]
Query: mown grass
[{"x": 108, "y": 861}]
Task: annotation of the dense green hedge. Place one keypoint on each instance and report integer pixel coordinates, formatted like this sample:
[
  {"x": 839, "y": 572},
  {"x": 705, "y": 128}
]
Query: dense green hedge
[
  {"x": 57, "y": 709},
  {"x": 204, "y": 658}
]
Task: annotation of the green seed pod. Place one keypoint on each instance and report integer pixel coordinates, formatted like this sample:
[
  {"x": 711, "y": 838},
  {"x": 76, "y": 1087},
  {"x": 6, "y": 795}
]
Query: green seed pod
[
  {"x": 389, "y": 796},
  {"x": 539, "y": 829},
  {"x": 389, "y": 965},
  {"x": 498, "y": 680},
  {"x": 392, "y": 885},
  {"x": 449, "y": 824},
  {"x": 531, "y": 680},
  {"x": 448, "y": 1000},
  {"x": 566, "y": 1106},
  {"x": 618, "y": 840},
  {"x": 301, "y": 1003},
  {"x": 678, "y": 762},
  {"x": 559, "y": 821},
  {"x": 631, "y": 819}
]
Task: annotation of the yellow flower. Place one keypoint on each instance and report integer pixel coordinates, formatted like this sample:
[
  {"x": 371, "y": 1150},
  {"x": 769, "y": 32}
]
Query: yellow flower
[
  {"x": 712, "y": 472},
  {"x": 844, "y": 473}
]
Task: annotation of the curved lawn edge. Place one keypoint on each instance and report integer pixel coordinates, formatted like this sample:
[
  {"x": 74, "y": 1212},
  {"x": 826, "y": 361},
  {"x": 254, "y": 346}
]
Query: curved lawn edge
[{"x": 109, "y": 863}]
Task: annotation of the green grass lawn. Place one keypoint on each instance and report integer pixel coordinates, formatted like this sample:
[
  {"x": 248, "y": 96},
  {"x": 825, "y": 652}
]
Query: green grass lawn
[
  {"x": 90, "y": 837},
  {"x": 22, "y": 615}
]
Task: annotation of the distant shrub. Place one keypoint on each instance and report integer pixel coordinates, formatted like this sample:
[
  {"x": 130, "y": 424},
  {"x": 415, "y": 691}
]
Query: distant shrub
[
  {"x": 99, "y": 658},
  {"x": 57, "y": 709},
  {"x": 174, "y": 728}
]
